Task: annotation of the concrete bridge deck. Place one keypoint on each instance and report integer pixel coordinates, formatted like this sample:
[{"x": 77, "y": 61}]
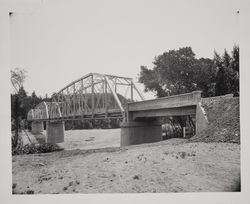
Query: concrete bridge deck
[{"x": 178, "y": 105}]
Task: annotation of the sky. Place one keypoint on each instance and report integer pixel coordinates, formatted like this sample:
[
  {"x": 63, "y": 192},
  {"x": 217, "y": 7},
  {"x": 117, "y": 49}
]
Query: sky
[{"x": 57, "y": 42}]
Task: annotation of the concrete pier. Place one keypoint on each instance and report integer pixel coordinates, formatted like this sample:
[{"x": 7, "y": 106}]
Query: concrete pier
[
  {"x": 140, "y": 132},
  {"x": 54, "y": 132},
  {"x": 37, "y": 127}
]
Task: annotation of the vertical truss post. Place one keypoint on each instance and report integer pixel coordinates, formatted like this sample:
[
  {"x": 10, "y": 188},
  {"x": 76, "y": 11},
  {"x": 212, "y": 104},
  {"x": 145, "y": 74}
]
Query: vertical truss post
[
  {"x": 131, "y": 85},
  {"x": 74, "y": 100},
  {"x": 92, "y": 95},
  {"x": 115, "y": 81},
  {"x": 105, "y": 97},
  {"x": 81, "y": 97},
  {"x": 68, "y": 104},
  {"x": 85, "y": 102}
]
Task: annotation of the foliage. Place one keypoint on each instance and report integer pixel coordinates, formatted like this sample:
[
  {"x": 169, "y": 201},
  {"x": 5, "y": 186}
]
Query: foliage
[
  {"x": 227, "y": 78},
  {"x": 21, "y": 103},
  {"x": 35, "y": 149},
  {"x": 178, "y": 71}
]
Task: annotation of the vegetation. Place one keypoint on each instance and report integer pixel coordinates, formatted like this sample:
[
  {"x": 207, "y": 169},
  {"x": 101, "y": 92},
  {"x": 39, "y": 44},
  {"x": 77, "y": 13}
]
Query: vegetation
[
  {"x": 35, "y": 149},
  {"x": 21, "y": 103},
  {"x": 179, "y": 71}
]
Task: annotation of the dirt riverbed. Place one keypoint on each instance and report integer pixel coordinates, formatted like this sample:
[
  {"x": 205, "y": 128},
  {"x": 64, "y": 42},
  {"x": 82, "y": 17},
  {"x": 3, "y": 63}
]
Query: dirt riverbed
[{"x": 93, "y": 162}]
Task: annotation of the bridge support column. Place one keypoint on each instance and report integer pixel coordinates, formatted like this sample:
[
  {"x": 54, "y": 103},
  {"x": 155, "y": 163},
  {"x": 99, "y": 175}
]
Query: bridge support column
[
  {"x": 140, "y": 132},
  {"x": 55, "y": 132},
  {"x": 36, "y": 127}
]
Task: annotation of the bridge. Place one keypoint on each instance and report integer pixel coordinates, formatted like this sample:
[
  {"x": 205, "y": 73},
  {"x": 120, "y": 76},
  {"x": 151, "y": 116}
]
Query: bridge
[{"x": 101, "y": 96}]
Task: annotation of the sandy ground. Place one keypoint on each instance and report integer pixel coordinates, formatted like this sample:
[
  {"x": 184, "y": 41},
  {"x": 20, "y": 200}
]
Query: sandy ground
[
  {"x": 89, "y": 139},
  {"x": 93, "y": 162}
]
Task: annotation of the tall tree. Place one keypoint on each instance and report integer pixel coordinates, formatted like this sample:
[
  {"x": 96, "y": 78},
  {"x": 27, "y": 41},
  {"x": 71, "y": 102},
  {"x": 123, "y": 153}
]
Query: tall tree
[
  {"x": 221, "y": 87},
  {"x": 236, "y": 69},
  {"x": 172, "y": 73},
  {"x": 227, "y": 78},
  {"x": 236, "y": 58},
  {"x": 17, "y": 79}
]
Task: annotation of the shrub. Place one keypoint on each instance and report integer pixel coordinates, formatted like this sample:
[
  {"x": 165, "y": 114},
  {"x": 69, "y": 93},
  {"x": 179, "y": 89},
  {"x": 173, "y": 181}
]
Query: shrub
[{"x": 35, "y": 148}]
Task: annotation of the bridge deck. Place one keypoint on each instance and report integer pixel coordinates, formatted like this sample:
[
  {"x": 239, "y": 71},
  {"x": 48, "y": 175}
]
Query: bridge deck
[
  {"x": 184, "y": 104},
  {"x": 182, "y": 100}
]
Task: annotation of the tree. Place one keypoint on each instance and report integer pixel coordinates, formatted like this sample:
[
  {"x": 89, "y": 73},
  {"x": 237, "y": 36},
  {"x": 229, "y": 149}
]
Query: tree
[
  {"x": 17, "y": 78},
  {"x": 17, "y": 99},
  {"x": 177, "y": 72},
  {"x": 227, "y": 78},
  {"x": 221, "y": 87},
  {"x": 33, "y": 100},
  {"x": 236, "y": 58},
  {"x": 204, "y": 76},
  {"x": 236, "y": 68}
]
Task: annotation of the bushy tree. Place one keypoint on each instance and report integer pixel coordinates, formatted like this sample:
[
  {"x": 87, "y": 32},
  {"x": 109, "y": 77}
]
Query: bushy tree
[
  {"x": 204, "y": 76},
  {"x": 177, "y": 72}
]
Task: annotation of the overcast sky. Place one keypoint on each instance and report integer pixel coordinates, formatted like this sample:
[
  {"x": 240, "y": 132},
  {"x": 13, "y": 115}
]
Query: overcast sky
[{"x": 60, "y": 41}]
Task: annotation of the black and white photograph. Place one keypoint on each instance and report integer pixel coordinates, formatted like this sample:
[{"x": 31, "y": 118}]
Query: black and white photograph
[{"x": 124, "y": 98}]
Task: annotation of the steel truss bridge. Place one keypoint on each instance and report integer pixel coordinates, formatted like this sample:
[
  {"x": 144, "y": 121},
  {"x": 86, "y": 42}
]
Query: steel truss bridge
[
  {"x": 100, "y": 96},
  {"x": 94, "y": 96}
]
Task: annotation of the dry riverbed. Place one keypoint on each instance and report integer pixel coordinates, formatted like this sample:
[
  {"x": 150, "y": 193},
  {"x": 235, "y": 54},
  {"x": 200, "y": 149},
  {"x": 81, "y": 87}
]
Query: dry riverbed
[{"x": 102, "y": 167}]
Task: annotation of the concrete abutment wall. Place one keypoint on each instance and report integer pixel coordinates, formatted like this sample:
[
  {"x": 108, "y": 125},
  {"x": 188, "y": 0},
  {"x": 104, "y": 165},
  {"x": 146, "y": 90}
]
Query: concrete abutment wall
[{"x": 133, "y": 133}]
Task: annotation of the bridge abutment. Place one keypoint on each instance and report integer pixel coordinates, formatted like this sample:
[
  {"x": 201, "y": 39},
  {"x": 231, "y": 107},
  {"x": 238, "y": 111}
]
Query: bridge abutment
[
  {"x": 133, "y": 133},
  {"x": 201, "y": 119},
  {"x": 37, "y": 127},
  {"x": 55, "y": 132}
]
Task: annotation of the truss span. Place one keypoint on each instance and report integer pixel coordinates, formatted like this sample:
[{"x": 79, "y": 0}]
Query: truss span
[{"x": 93, "y": 96}]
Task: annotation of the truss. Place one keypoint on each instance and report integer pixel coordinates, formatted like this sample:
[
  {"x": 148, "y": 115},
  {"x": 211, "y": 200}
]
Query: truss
[{"x": 94, "y": 96}]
